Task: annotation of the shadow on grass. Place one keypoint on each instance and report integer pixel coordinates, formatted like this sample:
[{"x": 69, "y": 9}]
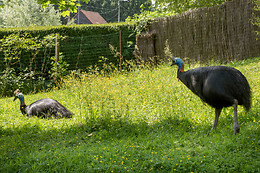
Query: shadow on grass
[
  {"x": 109, "y": 127},
  {"x": 95, "y": 134},
  {"x": 120, "y": 127}
]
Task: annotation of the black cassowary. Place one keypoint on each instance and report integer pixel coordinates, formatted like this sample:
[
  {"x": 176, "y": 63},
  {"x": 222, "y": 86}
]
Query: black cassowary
[
  {"x": 218, "y": 86},
  {"x": 45, "y": 108}
]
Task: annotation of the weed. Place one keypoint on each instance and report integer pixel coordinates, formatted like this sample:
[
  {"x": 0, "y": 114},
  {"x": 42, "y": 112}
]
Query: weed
[{"x": 139, "y": 121}]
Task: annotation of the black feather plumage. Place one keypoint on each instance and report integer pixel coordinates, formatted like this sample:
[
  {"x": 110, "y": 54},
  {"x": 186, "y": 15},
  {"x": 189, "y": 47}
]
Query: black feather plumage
[
  {"x": 43, "y": 108},
  {"x": 218, "y": 86}
]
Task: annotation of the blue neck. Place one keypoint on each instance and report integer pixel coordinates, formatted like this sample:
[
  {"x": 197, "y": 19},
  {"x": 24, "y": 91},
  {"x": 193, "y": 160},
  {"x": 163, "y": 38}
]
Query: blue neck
[
  {"x": 21, "y": 98},
  {"x": 179, "y": 63},
  {"x": 179, "y": 67}
]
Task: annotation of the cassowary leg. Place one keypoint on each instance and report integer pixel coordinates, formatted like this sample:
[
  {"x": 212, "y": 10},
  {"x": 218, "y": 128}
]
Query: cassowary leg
[
  {"x": 236, "y": 126},
  {"x": 217, "y": 113}
]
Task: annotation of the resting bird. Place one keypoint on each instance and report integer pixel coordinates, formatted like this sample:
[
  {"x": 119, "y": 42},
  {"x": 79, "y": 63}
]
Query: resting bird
[
  {"x": 42, "y": 108},
  {"x": 218, "y": 86}
]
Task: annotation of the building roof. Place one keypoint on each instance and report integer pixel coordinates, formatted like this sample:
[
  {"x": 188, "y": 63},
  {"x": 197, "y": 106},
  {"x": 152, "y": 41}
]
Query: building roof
[{"x": 93, "y": 17}]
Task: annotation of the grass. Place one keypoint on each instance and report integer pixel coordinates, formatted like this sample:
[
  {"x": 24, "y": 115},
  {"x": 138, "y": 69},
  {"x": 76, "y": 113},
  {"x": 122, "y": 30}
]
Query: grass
[{"x": 141, "y": 121}]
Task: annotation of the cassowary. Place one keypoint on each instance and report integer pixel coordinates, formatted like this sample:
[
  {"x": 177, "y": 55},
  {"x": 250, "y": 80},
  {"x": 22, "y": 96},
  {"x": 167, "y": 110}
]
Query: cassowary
[
  {"x": 45, "y": 108},
  {"x": 218, "y": 86}
]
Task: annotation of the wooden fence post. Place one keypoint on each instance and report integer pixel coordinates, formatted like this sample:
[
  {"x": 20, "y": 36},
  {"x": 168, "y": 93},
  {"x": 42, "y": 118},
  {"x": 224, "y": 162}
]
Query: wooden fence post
[
  {"x": 57, "y": 53},
  {"x": 57, "y": 50},
  {"x": 120, "y": 42}
]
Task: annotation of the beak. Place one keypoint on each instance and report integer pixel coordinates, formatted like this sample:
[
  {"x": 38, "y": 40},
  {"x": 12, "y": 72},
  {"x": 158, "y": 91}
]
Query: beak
[{"x": 15, "y": 98}]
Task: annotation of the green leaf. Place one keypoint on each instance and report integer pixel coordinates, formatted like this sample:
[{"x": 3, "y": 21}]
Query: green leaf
[{"x": 65, "y": 13}]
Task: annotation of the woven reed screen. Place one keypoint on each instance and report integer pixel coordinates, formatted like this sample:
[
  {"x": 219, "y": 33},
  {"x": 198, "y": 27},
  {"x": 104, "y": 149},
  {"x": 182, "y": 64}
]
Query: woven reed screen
[{"x": 221, "y": 33}]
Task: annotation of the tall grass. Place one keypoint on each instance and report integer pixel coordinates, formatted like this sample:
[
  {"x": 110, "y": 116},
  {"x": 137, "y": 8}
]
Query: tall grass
[{"x": 140, "y": 121}]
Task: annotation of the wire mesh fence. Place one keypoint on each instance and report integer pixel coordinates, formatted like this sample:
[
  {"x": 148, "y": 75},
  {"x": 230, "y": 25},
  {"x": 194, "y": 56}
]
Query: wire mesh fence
[
  {"x": 38, "y": 68},
  {"x": 81, "y": 52}
]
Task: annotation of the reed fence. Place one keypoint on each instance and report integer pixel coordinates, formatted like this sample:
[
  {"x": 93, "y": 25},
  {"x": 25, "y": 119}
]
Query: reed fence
[{"x": 222, "y": 33}]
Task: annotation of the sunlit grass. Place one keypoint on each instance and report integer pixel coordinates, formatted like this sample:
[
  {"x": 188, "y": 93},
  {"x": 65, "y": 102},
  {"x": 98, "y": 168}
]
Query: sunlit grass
[{"x": 140, "y": 121}]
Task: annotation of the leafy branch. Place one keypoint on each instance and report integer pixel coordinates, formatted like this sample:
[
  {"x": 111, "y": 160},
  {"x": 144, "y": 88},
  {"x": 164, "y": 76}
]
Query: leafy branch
[{"x": 66, "y": 6}]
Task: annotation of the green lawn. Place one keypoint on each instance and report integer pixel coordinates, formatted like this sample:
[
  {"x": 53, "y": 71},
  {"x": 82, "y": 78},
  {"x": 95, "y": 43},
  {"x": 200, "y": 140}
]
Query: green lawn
[{"x": 140, "y": 121}]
